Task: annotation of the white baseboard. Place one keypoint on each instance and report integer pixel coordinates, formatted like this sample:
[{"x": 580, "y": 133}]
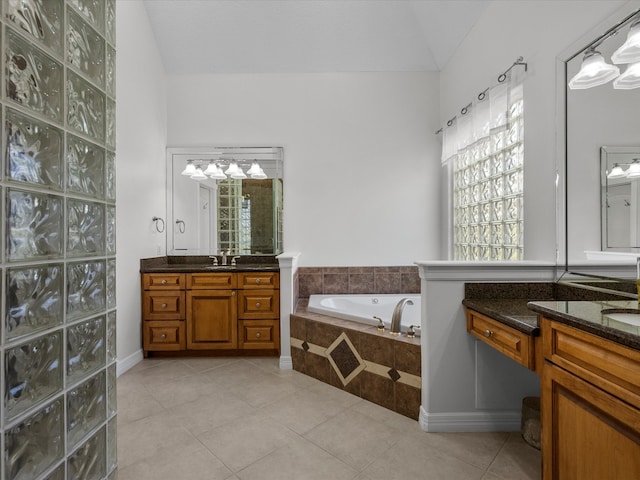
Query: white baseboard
[
  {"x": 286, "y": 363},
  {"x": 125, "y": 364},
  {"x": 498, "y": 421}
]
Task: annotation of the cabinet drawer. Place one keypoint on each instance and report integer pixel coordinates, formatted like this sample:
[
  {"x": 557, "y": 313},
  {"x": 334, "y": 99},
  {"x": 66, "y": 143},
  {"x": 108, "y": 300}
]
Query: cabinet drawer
[
  {"x": 513, "y": 343},
  {"x": 258, "y": 303},
  {"x": 255, "y": 334},
  {"x": 210, "y": 281},
  {"x": 168, "y": 305},
  {"x": 163, "y": 281},
  {"x": 163, "y": 335},
  {"x": 606, "y": 364},
  {"x": 259, "y": 280}
]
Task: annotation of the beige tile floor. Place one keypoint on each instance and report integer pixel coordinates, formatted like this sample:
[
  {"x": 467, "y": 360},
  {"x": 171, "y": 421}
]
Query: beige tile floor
[{"x": 245, "y": 419}]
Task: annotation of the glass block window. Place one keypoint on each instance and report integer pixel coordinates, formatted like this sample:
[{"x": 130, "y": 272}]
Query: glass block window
[
  {"x": 487, "y": 162},
  {"x": 58, "y": 413}
]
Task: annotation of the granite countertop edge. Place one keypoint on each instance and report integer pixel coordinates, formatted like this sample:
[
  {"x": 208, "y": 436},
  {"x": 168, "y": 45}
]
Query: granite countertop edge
[
  {"x": 616, "y": 335},
  {"x": 208, "y": 268}
]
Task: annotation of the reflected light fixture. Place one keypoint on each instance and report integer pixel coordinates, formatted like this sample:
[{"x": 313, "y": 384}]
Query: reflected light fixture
[
  {"x": 629, "y": 79},
  {"x": 616, "y": 172},
  {"x": 203, "y": 169},
  {"x": 629, "y": 51},
  {"x": 190, "y": 169},
  {"x": 593, "y": 72},
  {"x": 199, "y": 174},
  {"x": 634, "y": 169}
]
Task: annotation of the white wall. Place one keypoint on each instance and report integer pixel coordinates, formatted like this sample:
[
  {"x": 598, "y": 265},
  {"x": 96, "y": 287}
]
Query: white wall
[
  {"x": 538, "y": 31},
  {"x": 141, "y": 140},
  {"x": 361, "y": 161}
]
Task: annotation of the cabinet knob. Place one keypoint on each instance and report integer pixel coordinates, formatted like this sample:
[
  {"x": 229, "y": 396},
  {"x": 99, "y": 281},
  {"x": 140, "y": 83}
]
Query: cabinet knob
[
  {"x": 163, "y": 336},
  {"x": 164, "y": 305},
  {"x": 258, "y": 304},
  {"x": 258, "y": 334},
  {"x": 163, "y": 282},
  {"x": 257, "y": 280},
  {"x": 488, "y": 333},
  {"x": 233, "y": 294}
]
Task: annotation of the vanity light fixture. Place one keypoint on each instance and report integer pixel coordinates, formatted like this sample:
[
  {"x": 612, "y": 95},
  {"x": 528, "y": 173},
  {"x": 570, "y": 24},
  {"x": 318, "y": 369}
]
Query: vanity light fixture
[
  {"x": 616, "y": 172},
  {"x": 629, "y": 79},
  {"x": 203, "y": 169},
  {"x": 190, "y": 169},
  {"x": 593, "y": 72},
  {"x": 629, "y": 52},
  {"x": 199, "y": 174},
  {"x": 634, "y": 169},
  {"x": 632, "y": 172}
]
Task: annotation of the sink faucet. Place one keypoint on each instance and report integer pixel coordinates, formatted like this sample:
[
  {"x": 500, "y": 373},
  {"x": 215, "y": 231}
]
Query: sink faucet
[
  {"x": 397, "y": 315},
  {"x": 225, "y": 254}
]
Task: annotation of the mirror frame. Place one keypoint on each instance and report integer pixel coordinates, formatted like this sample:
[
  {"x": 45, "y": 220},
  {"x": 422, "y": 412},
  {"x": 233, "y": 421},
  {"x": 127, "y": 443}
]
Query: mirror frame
[{"x": 277, "y": 155}]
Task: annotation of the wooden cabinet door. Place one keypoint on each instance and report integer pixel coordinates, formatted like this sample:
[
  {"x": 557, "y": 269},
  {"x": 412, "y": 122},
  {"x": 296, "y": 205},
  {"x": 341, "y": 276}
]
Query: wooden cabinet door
[
  {"x": 212, "y": 319},
  {"x": 587, "y": 433}
]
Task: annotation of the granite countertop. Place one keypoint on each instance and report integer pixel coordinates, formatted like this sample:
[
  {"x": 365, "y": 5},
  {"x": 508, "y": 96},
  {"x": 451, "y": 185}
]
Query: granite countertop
[
  {"x": 513, "y": 313},
  {"x": 589, "y": 317},
  {"x": 203, "y": 264}
]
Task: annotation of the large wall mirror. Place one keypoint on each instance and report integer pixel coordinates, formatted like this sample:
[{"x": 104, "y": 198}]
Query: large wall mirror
[
  {"x": 602, "y": 129},
  {"x": 224, "y": 199}
]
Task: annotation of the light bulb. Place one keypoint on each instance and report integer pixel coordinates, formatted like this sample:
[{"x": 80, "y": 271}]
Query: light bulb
[{"x": 211, "y": 169}]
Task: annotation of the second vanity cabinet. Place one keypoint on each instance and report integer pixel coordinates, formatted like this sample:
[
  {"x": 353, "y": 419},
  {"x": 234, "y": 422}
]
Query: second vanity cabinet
[
  {"x": 590, "y": 406},
  {"x": 223, "y": 311}
]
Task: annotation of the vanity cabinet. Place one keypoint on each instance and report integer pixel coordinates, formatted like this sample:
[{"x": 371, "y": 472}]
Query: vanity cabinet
[
  {"x": 222, "y": 311},
  {"x": 211, "y": 311},
  {"x": 163, "y": 312},
  {"x": 259, "y": 310},
  {"x": 590, "y": 406}
]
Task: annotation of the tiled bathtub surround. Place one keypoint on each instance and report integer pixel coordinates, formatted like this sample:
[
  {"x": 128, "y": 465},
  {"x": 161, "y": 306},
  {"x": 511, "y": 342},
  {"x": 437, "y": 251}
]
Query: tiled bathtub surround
[
  {"x": 358, "y": 359},
  {"x": 354, "y": 280}
]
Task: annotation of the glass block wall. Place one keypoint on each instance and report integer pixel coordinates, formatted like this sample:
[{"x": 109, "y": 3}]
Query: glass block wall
[
  {"x": 488, "y": 198},
  {"x": 57, "y": 186}
]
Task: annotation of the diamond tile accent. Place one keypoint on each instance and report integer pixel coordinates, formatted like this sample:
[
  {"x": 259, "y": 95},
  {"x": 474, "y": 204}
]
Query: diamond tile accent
[
  {"x": 393, "y": 374},
  {"x": 344, "y": 359}
]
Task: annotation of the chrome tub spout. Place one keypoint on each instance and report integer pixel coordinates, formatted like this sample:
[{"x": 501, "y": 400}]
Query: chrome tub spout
[{"x": 397, "y": 315}]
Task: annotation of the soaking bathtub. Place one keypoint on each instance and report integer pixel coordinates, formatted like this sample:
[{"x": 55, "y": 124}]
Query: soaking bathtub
[{"x": 362, "y": 308}]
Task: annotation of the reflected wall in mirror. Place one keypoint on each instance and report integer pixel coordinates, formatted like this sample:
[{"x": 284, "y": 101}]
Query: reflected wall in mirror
[
  {"x": 212, "y": 208},
  {"x": 596, "y": 116},
  {"x": 620, "y": 198}
]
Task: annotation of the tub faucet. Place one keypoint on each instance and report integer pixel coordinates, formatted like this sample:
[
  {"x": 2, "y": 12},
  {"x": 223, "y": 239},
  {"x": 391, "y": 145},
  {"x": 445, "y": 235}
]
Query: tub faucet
[{"x": 397, "y": 315}]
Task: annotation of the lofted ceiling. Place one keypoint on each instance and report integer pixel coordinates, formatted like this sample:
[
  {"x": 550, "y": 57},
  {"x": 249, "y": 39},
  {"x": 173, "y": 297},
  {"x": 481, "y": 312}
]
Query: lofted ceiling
[{"x": 309, "y": 36}]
